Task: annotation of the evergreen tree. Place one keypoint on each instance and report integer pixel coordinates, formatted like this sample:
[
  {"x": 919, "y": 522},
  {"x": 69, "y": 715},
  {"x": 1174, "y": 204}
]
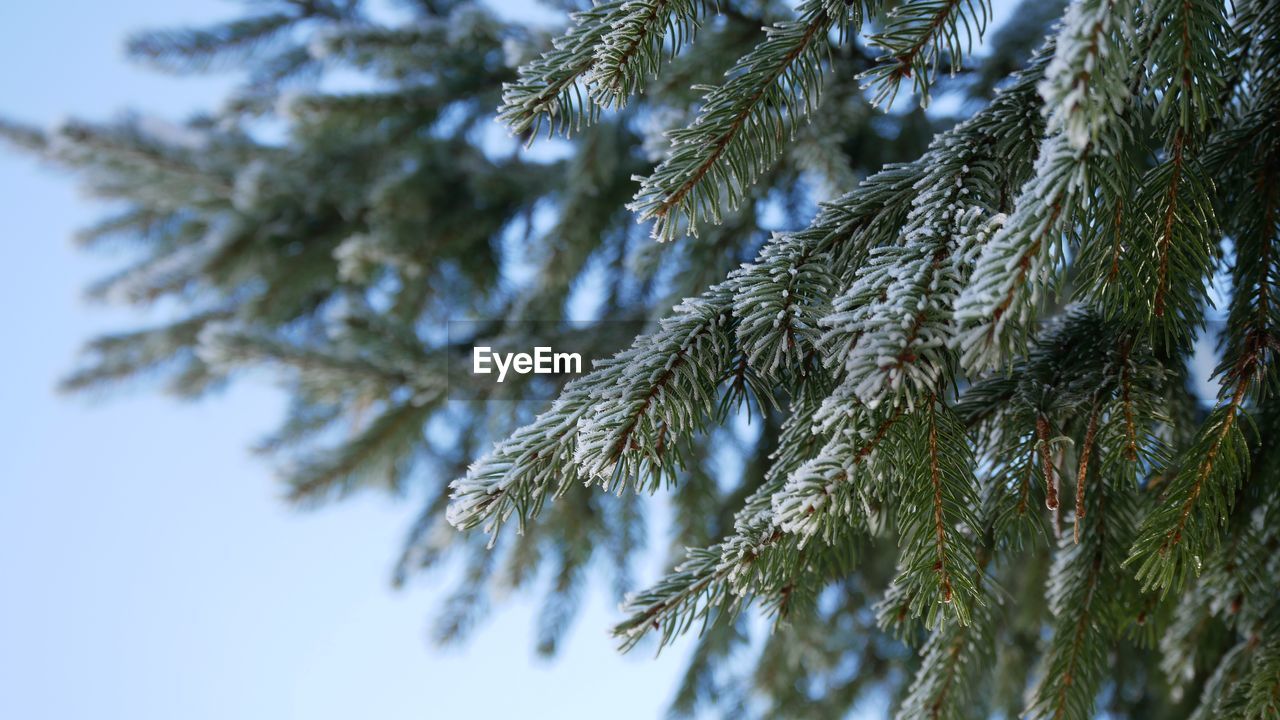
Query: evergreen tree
[{"x": 980, "y": 483}]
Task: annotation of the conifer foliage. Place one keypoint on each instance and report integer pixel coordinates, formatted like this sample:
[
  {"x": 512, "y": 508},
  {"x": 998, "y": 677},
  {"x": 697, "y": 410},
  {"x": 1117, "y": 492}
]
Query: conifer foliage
[
  {"x": 982, "y": 483},
  {"x": 1115, "y": 203}
]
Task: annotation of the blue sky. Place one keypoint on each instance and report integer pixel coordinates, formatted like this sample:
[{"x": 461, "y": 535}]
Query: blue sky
[{"x": 149, "y": 568}]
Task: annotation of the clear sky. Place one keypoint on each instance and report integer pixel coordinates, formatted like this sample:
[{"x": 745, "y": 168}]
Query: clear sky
[{"x": 148, "y": 569}]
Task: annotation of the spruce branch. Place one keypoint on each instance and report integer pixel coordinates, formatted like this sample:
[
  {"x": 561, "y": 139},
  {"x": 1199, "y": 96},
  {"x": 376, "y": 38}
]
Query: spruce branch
[
  {"x": 1253, "y": 319},
  {"x": 744, "y": 123},
  {"x": 1126, "y": 402},
  {"x": 827, "y": 473},
  {"x": 779, "y": 300},
  {"x": 1044, "y": 444},
  {"x": 950, "y": 676},
  {"x": 665, "y": 389},
  {"x": 550, "y": 89},
  {"x": 688, "y": 595},
  {"x": 892, "y": 330},
  {"x": 1261, "y": 691},
  {"x": 1087, "y": 605},
  {"x": 781, "y": 297},
  {"x": 518, "y": 475},
  {"x": 1172, "y": 235},
  {"x": 1187, "y": 631},
  {"x": 602, "y": 60},
  {"x": 467, "y": 605},
  {"x": 1185, "y": 524},
  {"x": 1082, "y": 472},
  {"x": 24, "y": 136},
  {"x": 819, "y": 497},
  {"x": 938, "y": 564},
  {"x": 1236, "y": 582},
  {"x": 714, "y": 579},
  {"x": 112, "y": 358},
  {"x": 1187, "y": 66},
  {"x": 622, "y": 421},
  {"x": 1171, "y": 224},
  {"x": 636, "y": 44},
  {"x": 161, "y": 162},
  {"x": 1081, "y": 366},
  {"x": 1244, "y": 682},
  {"x": 377, "y": 455},
  {"x": 946, "y": 684},
  {"x": 211, "y": 48},
  {"x": 1085, "y": 95},
  {"x": 915, "y": 40},
  {"x": 758, "y": 558},
  {"x": 896, "y": 315},
  {"x": 325, "y": 368}
]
